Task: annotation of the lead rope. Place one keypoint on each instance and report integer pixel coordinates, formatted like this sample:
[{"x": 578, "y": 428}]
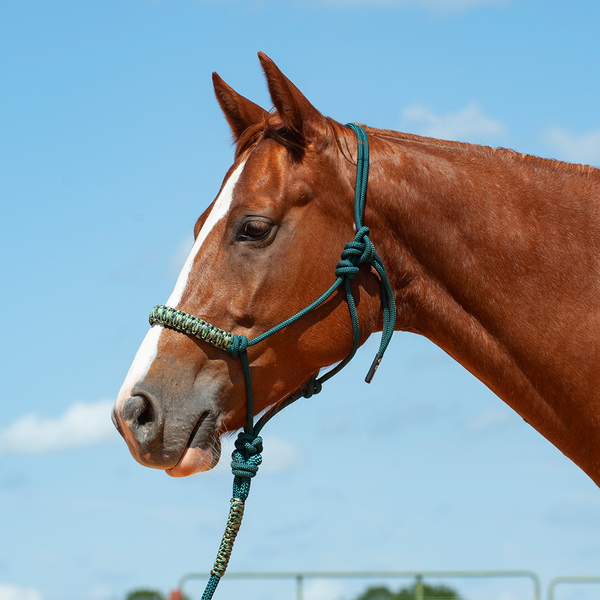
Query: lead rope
[{"x": 246, "y": 458}]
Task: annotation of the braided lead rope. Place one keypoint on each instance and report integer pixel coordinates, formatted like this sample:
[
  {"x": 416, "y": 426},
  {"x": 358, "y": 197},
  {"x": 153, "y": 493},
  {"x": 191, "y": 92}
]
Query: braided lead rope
[{"x": 246, "y": 458}]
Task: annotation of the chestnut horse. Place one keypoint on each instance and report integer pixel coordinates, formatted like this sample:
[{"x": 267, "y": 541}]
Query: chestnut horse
[{"x": 491, "y": 254}]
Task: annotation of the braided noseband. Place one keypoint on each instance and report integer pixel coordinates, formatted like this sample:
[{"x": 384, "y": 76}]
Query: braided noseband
[{"x": 246, "y": 457}]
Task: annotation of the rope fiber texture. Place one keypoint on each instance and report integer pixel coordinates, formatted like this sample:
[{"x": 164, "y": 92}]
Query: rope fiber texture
[
  {"x": 246, "y": 457},
  {"x": 186, "y": 323}
]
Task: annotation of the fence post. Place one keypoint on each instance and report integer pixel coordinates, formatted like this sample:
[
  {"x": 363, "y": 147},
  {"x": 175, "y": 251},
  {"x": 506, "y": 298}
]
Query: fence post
[
  {"x": 419, "y": 591},
  {"x": 299, "y": 581},
  {"x": 557, "y": 580}
]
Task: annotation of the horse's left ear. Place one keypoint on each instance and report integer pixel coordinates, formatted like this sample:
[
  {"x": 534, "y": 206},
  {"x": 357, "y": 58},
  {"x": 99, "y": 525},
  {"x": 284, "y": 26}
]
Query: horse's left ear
[
  {"x": 300, "y": 118},
  {"x": 240, "y": 112}
]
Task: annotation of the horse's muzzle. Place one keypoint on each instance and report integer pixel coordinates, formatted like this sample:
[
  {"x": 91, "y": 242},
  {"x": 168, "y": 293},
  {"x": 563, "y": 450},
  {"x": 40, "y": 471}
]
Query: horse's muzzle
[
  {"x": 179, "y": 450},
  {"x": 140, "y": 421}
]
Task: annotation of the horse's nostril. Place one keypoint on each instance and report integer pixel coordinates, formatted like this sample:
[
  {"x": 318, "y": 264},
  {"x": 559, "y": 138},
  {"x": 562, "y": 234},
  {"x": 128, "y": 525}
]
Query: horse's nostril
[
  {"x": 140, "y": 421},
  {"x": 140, "y": 417},
  {"x": 137, "y": 409},
  {"x": 146, "y": 415}
]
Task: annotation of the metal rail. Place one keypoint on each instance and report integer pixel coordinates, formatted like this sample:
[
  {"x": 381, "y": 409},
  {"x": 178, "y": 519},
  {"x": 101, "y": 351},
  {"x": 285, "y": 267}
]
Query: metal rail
[
  {"x": 417, "y": 575},
  {"x": 558, "y": 580}
]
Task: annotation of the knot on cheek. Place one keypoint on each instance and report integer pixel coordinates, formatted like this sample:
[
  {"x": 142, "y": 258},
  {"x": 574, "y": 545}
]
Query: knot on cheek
[
  {"x": 359, "y": 251},
  {"x": 238, "y": 346}
]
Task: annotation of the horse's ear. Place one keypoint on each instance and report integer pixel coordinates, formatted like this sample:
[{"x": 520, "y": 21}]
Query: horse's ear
[
  {"x": 300, "y": 118},
  {"x": 239, "y": 111}
]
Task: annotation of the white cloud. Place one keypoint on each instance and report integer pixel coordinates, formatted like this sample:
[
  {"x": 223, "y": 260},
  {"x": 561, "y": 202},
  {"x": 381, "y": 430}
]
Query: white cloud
[
  {"x": 179, "y": 256},
  {"x": 323, "y": 589},
  {"x": 278, "y": 455},
  {"x": 102, "y": 592},
  {"x": 490, "y": 420},
  {"x": 83, "y": 424},
  {"x": 13, "y": 592},
  {"x": 469, "y": 124},
  {"x": 575, "y": 147}
]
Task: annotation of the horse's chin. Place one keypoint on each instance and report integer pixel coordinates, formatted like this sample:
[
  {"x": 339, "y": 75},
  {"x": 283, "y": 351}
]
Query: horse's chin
[{"x": 196, "y": 460}]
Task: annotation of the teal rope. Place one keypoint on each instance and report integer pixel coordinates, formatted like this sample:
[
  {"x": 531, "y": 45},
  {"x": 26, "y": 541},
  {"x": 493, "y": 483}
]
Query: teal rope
[
  {"x": 387, "y": 295},
  {"x": 246, "y": 457},
  {"x": 359, "y": 251},
  {"x": 245, "y": 460}
]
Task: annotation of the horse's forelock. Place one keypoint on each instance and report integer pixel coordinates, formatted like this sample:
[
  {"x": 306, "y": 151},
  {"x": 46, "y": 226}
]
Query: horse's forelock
[{"x": 271, "y": 128}]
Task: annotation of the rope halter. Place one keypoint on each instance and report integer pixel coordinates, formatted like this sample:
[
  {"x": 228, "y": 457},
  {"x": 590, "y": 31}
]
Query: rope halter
[{"x": 246, "y": 457}]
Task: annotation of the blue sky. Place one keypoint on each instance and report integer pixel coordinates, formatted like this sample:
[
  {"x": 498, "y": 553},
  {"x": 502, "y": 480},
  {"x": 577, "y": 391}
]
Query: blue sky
[{"x": 111, "y": 145}]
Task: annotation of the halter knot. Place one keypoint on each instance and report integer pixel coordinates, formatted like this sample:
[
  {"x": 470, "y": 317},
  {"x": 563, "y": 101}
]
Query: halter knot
[
  {"x": 245, "y": 460},
  {"x": 360, "y": 250},
  {"x": 313, "y": 387},
  {"x": 238, "y": 346},
  {"x": 364, "y": 245},
  {"x": 346, "y": 268}
]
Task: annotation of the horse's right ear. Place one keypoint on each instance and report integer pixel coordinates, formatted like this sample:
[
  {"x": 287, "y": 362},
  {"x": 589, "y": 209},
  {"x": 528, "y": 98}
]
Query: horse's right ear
[
  {"x": 301, "y": 119},
  {"x": 239, "y": 111}
]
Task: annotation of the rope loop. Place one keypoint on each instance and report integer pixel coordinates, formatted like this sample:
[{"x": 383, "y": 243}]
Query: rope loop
[
  {"x": 313, "y": 387},
  {"x": 359, "y": 251},
  {"x": 362, "y": 241},
  {"x": 245, "y": 461},
  {"x": 346, "y": 268},
  {"x": 248, "y": 444},
  {"x": 238, "y": 346}
]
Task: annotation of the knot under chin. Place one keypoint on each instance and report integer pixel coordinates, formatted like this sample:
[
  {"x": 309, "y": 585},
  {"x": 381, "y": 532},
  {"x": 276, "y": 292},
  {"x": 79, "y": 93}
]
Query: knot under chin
[
  {"x": 248, "y": 444},
  {"x": 245, "y": 461},
  {"x": 313, "y": 387}
]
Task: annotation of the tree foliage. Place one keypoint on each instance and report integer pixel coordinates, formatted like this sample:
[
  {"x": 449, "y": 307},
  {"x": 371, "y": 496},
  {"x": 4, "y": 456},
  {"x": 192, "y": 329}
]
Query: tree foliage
[
  {"x": 429, "y": 592},
  {"x": 145, "y": 594}
]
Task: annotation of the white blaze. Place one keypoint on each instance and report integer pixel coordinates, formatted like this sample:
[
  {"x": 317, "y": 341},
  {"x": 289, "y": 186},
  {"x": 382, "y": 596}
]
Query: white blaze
[
  {"x": 147, "y": 351},
  {"x": 220, "y": 209}
]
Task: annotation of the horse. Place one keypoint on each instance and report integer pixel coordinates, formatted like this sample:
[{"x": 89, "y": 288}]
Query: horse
[{"x": 490, "y": 254}]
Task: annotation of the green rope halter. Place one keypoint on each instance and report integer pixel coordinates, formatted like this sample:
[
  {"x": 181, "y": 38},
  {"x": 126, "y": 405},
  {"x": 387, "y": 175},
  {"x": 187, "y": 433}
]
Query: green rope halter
[{"x": 246, "y": 457}]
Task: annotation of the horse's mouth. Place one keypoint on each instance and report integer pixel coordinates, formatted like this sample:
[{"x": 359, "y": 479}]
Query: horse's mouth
[{"x": 202, "y": 451}]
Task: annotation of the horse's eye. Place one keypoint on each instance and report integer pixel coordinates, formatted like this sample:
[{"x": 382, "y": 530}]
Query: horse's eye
[{"x": 256, "y": 229}]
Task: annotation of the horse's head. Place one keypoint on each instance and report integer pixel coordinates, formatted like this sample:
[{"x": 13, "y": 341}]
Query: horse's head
[{"x": 265, "y": 248}]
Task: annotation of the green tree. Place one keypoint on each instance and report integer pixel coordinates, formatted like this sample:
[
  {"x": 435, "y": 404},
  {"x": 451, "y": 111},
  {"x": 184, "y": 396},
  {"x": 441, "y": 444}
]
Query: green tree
[
  {"x": 429, "y": 592},
  {"x": 145, "y": 595}
]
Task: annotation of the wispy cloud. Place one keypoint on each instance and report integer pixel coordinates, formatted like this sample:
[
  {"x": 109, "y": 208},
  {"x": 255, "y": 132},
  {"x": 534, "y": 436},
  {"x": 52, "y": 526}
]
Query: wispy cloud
[
  {"x": 489, "y": 421},
  {"x": 575, "y": 147},
  {"x": 14, "y": 592},
  {"x": 82, "y": 424},
  {"x": 324, "y": 589},
  {"x": 279, "y": 455},
  {"x": 179, "y": 256},
  {"x": 470, "y": 124},
  {"x": 443, "y": 6}
]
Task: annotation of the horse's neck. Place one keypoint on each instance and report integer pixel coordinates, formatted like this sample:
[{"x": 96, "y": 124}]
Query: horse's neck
[{"x": 495, "y": 258}]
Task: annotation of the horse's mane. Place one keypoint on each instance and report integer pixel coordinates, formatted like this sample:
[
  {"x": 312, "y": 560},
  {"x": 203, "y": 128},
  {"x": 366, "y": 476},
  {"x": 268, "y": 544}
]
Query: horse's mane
[
  {"x": 272, "y": 128},
  {"x": 411, "y": 139}
]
